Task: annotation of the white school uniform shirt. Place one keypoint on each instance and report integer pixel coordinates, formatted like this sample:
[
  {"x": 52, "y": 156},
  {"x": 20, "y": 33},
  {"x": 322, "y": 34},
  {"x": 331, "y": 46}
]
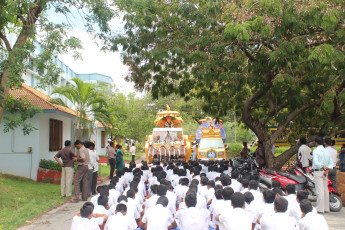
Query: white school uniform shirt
[
  {"x": 266, "y": 209},
  {"x": 333, "y": 153},
  {"x": 237, "y": 219},
  {"x": 279, "y": 221},
  {"x": 200, "y": 202},
  {"x": 172, "y": 201},
  {"x": 257, "y": 195},
  {"x": 80, "y": 223},
  {"x": 236, "y": 186},
  {"x": 132, "y": 209},
  {"x": 253, "y": 208},
  {"x": 304, "y": 155},
  {"x": 151, "y": 201},
  {"x": 203, "y": 190},
  {"x": 210, "y": 194},
  {"x": 180, "y": 192},
  {"x": 158, "y": 218},
  {"x": 94, "y": 158},
  {"x": 193, "y": 219},
  {"x": 100, "y": 209},
  {"x": 113, "y": 195},
  {"x": 295, "y": 211},
  {"x": 222, "y": 207},
  {"x": 120, "y": 222},
  {"x": 313, "y": 221},
  {"x": 291, "y": 200},
  {"x": 214, "y": 222},
  {"x": 94, "y": 199}
]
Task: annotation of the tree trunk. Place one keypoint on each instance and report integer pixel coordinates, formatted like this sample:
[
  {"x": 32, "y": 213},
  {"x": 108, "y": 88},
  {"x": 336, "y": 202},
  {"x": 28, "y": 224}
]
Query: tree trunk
[{"x": 4, "y": 80}]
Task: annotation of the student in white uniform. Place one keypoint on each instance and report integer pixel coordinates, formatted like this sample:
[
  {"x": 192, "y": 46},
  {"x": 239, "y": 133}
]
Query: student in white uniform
[
  {"x": 295, "y": 210},
  {"x": 94, "y": 199},
  {"x": 214, "y": 207},
  {"x": 181, "y": 189},
  {"x": 120, "y": 221},
  {"x": 87, "y": 220},
  {"x": 310, "y": 220},
  {"x": 304, "y": 153},
  {"x": 132, "y": 208},
  {"x": 291, "y": 195},
  {"x": 103, "y": 206},
  {"x": 192, "y": 218},
  {"x": 253, "y": 188},
  {"x": 235, "y": 185},
  {"x": 159, "y": 217},
  {"x": 113, "y": 193},
  {"x": 252, "y": 206},
  {"x": 267, "y": 208},
  {"x": 279, "y": 220},
  {"x": 238, "y": 218}
]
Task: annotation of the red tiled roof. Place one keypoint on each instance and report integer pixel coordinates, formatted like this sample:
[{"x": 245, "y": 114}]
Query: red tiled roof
[{"x": 39, "y": 99}]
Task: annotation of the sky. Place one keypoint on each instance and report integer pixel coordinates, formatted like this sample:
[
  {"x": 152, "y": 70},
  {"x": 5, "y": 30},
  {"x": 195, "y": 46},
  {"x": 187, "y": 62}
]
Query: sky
[{"x": 94, "y": 60}]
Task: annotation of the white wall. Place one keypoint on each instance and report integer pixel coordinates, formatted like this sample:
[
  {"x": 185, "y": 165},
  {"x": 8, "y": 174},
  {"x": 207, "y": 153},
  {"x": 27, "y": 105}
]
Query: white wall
[
  {"x": 100, "y": 151},
  {"x": 14, "y": 156}
]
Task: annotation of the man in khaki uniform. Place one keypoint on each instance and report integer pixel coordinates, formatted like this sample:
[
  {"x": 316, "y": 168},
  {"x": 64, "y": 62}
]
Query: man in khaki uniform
[{"x": 83, "y": 159}]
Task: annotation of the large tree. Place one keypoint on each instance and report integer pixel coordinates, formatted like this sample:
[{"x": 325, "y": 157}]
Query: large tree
[
  {"x": 275, "y": 62},
  {"x": 25, "y": 23}
]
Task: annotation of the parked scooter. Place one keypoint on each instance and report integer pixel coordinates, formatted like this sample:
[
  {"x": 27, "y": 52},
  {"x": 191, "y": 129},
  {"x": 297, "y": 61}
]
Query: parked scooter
[
  {"x": 335, "y": 203},
  {"x": 245, "y": 167}
]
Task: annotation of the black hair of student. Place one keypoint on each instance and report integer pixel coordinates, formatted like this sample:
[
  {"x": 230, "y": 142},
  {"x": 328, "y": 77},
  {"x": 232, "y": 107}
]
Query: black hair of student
[
  {"x": 68, "y": 143},
  {"x": 144, "y": 167},
  {"x": 136, "y": 178},
  {"x": 77, "y": 142},
  {"x": 276, "y": 184},
  {"x": 162, "y": 190},
  {"x": 114, "y": 180},
  {"x": 306, "y": 206},
  {"x": 122, "y": 198},
  {"x": 248, "y": 197},
  {"x": 328, "y": 141},
  {"x": 333, "y": 142},
  {"x": 163, "y": 200},
  {"x": 281, "y": 204},
  {"x": 245, "y": 183},
  {"x": 121, "y": 208},
  {"x": 227, "y": 193},
  {"x": 154, "y": 188},
  {"x": 211, "y": 183},
  {"x": 87, "y": 144},
  {"x": 89, "y": 204},
  {"x": 134, "y": 187},
  {"x": 195, "y": 181},
  {"x": 196, "y": 171},
  {"x": 130, "y": 193},
  {"x": 237, "y": 200},
  {"x": 190, "y": 199},
  {"x": 253, "y": 184},
  {"x": 182, "y": 172},
  {"x": 102, "y": 200},
  {"x": 105, "y": 191},
  {"x": 194, "y": 188},
  {"x": 202, "y": 175},
  {"x": 203, "y": 181},
  {"x": 218, "y": 193},
  {"x": 175, "y": 171},
  {"x": 99, "y": 189},
  {"x": 234, "y": 174},
  {"x": 111, "y": 186},
  {"x": 220, "y": 170},
  {"x": 225, "y": 180},
  {"x": 217, "y": 178},
  {"x": 269, "y": 196},
  {"x": 290, "y": 189},
  {"x": 303, "y": 140},
  {"x": 92, "y": 145},
  {"x": 86, "y": 211},
  {"x": 302, "y": 195},
  {"x": 319, "y": 140},
  {"x": 184, "y": 181},
  {"x": 255, "y": 177},
  {"x": 278, "y": 191}
]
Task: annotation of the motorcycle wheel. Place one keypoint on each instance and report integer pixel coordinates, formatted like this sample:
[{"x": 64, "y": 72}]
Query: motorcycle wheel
[{"x": 335, "y": 203}]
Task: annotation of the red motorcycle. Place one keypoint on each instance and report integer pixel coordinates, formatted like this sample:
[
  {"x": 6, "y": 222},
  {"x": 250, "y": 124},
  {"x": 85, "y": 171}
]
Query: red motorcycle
[{"x": 335, "y": 203}]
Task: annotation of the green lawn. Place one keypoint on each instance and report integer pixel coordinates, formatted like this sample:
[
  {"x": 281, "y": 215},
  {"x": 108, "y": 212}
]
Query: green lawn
[
  {"x": 22, "y": 199},
  {"x": 105, "y": 169}
]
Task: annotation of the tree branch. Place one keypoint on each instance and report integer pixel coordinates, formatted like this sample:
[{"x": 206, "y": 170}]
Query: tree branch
[
  {"x": 7, "y": 43},
  {"x": 249, "y": 55}
]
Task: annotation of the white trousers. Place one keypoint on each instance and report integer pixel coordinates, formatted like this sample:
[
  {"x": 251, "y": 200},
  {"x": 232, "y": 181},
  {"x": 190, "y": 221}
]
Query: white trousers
[
  {"x": 66, "y": 181},
  {"x": 322, "y": 194}
]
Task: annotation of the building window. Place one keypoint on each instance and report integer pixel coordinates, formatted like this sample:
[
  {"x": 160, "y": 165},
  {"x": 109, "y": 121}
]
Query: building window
[
  {"x": 102, "y": 139},
  {"x": 55, "y": 135}
]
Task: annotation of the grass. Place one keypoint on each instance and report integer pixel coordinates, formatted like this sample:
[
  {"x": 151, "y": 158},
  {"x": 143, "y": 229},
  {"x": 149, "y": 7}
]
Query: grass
[
  {"x": 23, "y": 199},
  {"x": 105, "y": 169}
]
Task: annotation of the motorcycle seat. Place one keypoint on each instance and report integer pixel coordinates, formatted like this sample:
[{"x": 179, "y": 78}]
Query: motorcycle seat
[
  {"x": 298, "y": 179},
  {"x": 269, "y": 171}
]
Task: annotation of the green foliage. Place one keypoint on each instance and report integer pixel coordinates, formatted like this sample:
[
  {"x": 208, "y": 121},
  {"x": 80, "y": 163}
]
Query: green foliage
[
  {"x": 139, "y": 146},
  {"x": 234, "y": 149},
  {"x": 271, "y": 61},
  {"x": 50, "y": 164},
  {"x": 18, "y": 195}
]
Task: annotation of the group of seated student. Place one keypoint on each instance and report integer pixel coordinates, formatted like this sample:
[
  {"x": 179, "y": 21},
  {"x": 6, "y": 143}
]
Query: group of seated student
[{"x": 198, "y": 195}]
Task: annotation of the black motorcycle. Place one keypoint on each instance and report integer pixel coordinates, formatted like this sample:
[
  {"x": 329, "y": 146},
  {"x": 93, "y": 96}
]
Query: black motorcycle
[{"x": 245, "y": 167}]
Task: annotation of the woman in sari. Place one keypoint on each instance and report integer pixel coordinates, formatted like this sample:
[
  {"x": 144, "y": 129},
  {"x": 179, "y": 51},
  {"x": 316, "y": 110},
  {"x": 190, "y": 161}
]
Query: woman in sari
[{"x": 120, "y": 163}]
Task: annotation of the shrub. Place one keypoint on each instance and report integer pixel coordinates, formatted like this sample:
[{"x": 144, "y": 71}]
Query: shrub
[
  {"x": 50, "y": 164},
  {"x": 234, "y": 149},
  {"x": 139, "y": 146}
]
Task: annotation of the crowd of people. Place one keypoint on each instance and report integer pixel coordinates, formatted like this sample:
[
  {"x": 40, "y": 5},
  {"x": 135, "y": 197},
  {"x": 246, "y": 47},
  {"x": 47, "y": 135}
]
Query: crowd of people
[{"x": 195, "y": 195}]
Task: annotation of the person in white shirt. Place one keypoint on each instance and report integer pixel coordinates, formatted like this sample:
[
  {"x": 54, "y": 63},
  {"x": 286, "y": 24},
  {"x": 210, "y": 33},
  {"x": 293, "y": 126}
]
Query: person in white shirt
[
  {"x": 132, "y": 207},
  {"x": 253, "y": 188},
  {"x": 113, "y": 193},
  {"x": 200, "y": 200},
  {"x": 94, "y": 158},
  {"x": 103, "y": 206},
  {"x": 87, "y": 220},
  {"x": 304, "y": 153},
  {"x": 333, "y": 153},
  {"x": 295, "y": 210},
  {"x": 218, "y": 198},
  {"x": 159, "y": 217},
  {"x": 267, "y": 209},
  {"x": 235, "y": 185},
  {"x": 279, "y": 220},
  {"x": 310, "y": 220},
  {"x": 151, "y": 201},
  {"x": 238, "y": 218},
  {"x": 181, "y": 189},
  {"x": 192, "y": 218},
  {"x": 95, "y": 197},
  {"x": 120, "y": 221},
  {"x": 132, "y": 150},
  {"x": 291, "y": 195}
]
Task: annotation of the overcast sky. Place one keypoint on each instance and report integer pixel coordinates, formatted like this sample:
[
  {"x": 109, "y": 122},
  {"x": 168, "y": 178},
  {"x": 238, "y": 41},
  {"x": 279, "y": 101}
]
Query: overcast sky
[{"x": 94, "y": 60}]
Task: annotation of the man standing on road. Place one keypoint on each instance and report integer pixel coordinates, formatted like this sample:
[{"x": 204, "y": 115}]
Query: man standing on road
[
  {"x": 322, "y": 163},
  {"x": 83, "y": 159},
  {"x": 333, "y": 154},
  {"x": 304, "y": 153},
  {"x": 67, "y": 164},
  {"x": 132, "y": 151}
]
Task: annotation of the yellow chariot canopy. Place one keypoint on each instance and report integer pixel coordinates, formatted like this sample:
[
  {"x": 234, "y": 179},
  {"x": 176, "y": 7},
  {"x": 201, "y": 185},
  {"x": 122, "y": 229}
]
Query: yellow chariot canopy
[
  {"x": 168, "y": 119},
  {"x": 210, "y": 132}
]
